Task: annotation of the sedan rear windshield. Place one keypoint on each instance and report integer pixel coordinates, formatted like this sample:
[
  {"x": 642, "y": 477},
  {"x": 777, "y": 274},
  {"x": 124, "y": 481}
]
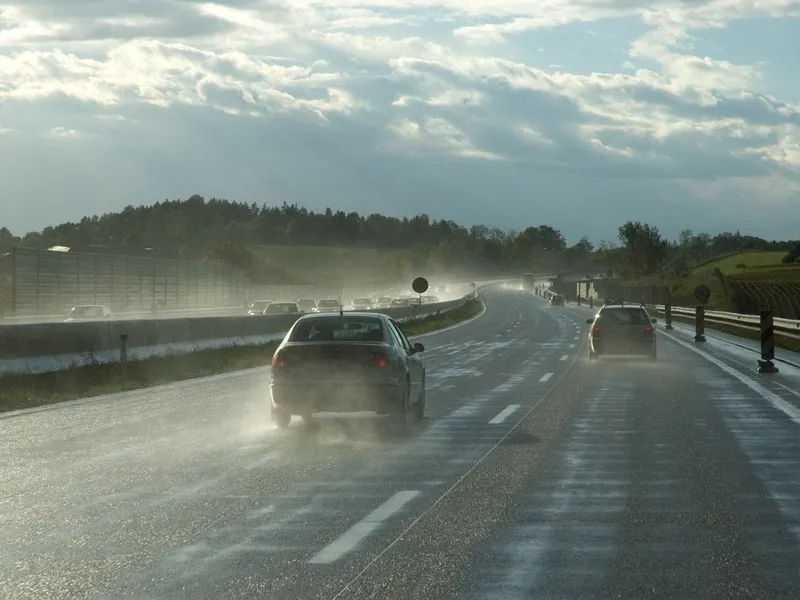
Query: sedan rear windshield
[
  {"x": 338, "y": 330},
  {"x": 623, "y": 316},
  {"x": 331, "y": 303},
  {"x": 362, "y": 301}
]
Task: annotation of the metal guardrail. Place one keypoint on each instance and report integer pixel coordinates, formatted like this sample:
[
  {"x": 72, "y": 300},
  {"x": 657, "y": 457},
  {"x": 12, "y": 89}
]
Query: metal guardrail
[{"x": 785, "y": 327}]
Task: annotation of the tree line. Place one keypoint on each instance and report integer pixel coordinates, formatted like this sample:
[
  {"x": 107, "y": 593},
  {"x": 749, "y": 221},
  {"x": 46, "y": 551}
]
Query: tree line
[{"x": 222, "y": 230}]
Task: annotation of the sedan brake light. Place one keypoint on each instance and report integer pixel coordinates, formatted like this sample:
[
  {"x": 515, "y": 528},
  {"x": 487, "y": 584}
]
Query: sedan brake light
[
  {"x": 595, "y": 329},
  {"x": 648, "y": 329},
  {"x": 382, "y": 362},
  {"x": 277, "y": 361}
]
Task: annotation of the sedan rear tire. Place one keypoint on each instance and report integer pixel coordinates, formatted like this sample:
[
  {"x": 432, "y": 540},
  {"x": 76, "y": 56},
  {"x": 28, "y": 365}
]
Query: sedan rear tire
[
  {"x": 419, "y": 407},
  {"x": 399, "y": 412}
]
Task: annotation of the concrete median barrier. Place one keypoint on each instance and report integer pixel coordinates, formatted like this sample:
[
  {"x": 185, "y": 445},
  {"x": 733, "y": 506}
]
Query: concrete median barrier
[{"x": 45, "y": 347}]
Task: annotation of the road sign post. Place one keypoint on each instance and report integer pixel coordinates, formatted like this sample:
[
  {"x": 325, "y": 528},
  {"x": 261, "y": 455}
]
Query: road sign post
[
  {"x": 702, "y": 293},
  {"x": 419, "y": 285},
  {"x": 123, "y": 358},
  {"x": 699, "y": 323},
  {"x": 765, "y": 365}
]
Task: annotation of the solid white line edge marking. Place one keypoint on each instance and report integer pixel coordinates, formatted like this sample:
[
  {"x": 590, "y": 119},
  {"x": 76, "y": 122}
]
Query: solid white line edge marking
[
  {"x": 545, "y": 377},
  {"x": 358, "y": 532},
  {"x": 504, "y": 414},
  {"x": 782, "y": 405}
]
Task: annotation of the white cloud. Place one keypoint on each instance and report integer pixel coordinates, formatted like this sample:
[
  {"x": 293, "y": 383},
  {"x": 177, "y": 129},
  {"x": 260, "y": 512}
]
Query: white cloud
[
  {"x": 436, "y": 80},
  {"x": 64, "y": 133}
]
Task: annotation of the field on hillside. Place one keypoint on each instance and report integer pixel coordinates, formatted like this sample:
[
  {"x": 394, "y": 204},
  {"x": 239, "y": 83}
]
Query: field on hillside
[
  {"x": 337, "y": 264},
  {"x": 728, "y": 264}
]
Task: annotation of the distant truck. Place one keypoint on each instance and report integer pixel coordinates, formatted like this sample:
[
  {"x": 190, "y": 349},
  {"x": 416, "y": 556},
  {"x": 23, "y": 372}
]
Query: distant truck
[{"x": 528, "y": 281}]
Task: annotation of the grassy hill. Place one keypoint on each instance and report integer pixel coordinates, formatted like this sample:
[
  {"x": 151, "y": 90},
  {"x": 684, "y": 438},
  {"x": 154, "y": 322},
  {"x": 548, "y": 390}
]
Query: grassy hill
[
  {"x": 337, "y": 264},
  {"x": 728, "y": 264}
]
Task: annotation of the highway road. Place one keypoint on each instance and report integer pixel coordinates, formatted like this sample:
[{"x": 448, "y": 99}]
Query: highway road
[{"x": 535, "y": 475}]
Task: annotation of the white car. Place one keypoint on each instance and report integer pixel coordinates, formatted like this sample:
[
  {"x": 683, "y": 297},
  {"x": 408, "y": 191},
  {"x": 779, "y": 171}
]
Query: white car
[
  {"x": 362, "y": 304},
  {"x": 89, "y": 312},
  {"x": 328, "y": 305}
]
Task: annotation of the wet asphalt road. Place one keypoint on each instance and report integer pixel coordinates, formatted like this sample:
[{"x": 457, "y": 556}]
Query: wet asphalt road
[{"x": 536, "y": 474}]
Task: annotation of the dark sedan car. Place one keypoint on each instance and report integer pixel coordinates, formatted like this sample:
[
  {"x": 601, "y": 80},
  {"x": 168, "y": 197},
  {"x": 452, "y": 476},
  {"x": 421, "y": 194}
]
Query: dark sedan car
[
  {"x": 556, "y": 300},
  {"x": 343, "y": 363},
  {"x": 622, "y": 330}
]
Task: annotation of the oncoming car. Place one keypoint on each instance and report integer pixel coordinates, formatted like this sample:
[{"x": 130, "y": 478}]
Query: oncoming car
[
  {"x": 382, "y": 302},
  {"x": 622, "y": 329},
  {"x": 281, "y": 308},
  {"x": 89, "y": 312},
  {"x": 306, "y": 304},
  {"x": 343, "y": 363},
  {"x": 328, "y": 306},
  {"x": 361, "y": 304},
  {"x": 258, "y": 307}
]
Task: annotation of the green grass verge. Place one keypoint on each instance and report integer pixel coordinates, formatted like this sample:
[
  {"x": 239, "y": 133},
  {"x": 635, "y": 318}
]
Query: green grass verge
[
  {"x": 432, "y": 323},
  {"x": 87, "y": 380},
  {"x": 728, "y": 264}
]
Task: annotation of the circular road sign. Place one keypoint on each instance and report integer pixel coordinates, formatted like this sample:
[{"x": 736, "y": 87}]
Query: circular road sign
[
  {"x": 420, "y": 285},
  {"x": 702, "y": 293}
]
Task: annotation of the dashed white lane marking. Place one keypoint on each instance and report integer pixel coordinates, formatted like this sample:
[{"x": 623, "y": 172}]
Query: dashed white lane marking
[
  {"x": 504, "y": 414},
  {"x": 565, "y": 357},
  {"x": 572, "y": 345},
  {"x": 353, "y": 536},
  {"x": 545, "y": 377},
  {"x": 575, "y": 338}
]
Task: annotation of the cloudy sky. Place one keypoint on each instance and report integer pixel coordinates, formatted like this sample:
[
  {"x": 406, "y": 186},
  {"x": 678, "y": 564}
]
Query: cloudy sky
[{"x": 578, "y": 114}]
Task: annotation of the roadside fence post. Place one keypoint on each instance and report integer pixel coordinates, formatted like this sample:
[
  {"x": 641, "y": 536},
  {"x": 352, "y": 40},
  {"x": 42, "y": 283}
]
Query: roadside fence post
[
  {"x": 591, "y": 302},
  {"x": 668, "y": 316},
  {"x": 765, "y": 365},
  {"x": 699, "y": 323},
  {"x": 123, "y": 357}
]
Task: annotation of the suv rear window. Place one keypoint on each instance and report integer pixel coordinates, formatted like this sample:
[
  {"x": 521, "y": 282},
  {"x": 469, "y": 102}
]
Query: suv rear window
[
  {"x": 623, "y": 316},
  {"x": 338, "y": 330},
  {"x": 277, "y": 308}
]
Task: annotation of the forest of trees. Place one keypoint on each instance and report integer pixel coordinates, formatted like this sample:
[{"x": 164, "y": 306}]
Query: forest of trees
[{"x": 215, "y": 229}]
